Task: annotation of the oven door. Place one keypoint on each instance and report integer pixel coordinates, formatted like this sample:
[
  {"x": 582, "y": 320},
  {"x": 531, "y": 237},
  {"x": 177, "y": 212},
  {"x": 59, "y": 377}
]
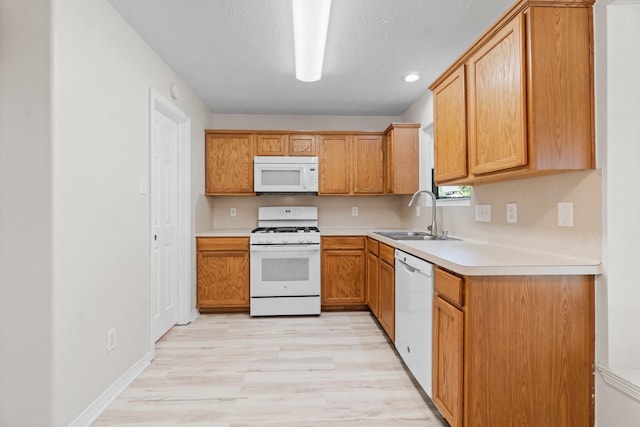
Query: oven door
[{"x": 285, "y": 270}]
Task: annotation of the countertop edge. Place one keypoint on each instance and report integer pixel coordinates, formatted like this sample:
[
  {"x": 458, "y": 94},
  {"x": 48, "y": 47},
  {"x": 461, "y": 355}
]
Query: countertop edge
[{"x": 562, "y": 265}]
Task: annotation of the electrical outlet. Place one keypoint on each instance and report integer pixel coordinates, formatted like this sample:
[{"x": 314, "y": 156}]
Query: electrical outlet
[
  {"x": 233, "y": 212},
  {"x": 565, "y": 214},
  {"x": 112, "y": 339},
  {"x": 483, "y": 213},
  {"x": 354, "y": 211},
  {"x": 417, "y": 210},
  {"x": 512, "y": 213}
]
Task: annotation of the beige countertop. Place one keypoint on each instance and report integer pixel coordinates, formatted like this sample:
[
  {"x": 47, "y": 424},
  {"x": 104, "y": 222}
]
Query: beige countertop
[
  {"x": 226, "y": 232},
  {"x": 466, "y": 257}
]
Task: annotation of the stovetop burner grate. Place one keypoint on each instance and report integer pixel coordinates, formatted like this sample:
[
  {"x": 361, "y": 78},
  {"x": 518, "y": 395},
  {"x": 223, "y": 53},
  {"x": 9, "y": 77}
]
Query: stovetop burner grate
[{"x": 286, "y": 230}]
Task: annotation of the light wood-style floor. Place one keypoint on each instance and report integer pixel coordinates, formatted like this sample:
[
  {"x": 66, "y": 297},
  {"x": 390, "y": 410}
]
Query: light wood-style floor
[{"x": 222, "y": 370}]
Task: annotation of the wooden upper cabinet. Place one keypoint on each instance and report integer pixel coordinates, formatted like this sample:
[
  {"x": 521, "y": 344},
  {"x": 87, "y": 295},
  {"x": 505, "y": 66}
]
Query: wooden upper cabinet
[
  {"x": 561, "y": 100},
  {"x": 229, "y": 163},
  {"x": 270, "y": 144},
  {"x": 401, "y": 158},
  {"x": 334, "y": 164},
  {"x": 450, "y": 128},
  {"x": 303, "y": 145},
  {"x": 529, "y": 99},
  {"x": 497, "y": 121},
  {"x": 368, "y": 164}
]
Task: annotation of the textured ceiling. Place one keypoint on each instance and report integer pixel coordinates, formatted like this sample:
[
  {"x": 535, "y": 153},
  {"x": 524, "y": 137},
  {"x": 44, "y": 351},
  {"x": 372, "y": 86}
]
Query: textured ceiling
[{"x": 237, "y": 55}]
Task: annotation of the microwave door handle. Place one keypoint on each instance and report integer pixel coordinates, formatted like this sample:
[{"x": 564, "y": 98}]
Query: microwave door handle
[{"x": 305, "y": 179}]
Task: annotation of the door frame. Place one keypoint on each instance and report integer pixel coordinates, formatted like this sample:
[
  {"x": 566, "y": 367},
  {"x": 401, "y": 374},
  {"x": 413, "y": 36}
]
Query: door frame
[{"x": 158, "y": 104}]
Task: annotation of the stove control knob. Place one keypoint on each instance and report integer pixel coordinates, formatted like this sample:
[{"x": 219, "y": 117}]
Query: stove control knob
[
  {"x": 300, "y": 240},
  {"x": 285, "y": 240},
  {"x": 308, "y": 240}
]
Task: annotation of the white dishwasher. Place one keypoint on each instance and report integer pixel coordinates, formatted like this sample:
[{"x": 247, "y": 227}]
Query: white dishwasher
[{"x": 414, "y": 310}]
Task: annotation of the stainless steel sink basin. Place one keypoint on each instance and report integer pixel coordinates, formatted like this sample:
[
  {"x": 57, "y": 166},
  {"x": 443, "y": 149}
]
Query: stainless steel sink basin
[{"x": 412, "y": 235}]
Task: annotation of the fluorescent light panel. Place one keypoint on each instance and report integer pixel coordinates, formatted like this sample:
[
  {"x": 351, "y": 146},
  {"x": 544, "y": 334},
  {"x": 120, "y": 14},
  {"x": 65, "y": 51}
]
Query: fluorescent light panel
[{"x": 310, "y": 23}]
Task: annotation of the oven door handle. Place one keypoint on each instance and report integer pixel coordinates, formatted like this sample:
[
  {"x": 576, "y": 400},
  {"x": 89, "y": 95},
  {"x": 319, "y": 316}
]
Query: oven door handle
[{"x": 285, "y": 248}]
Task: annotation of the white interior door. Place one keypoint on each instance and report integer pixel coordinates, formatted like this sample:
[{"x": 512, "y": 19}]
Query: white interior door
[{"x": 164, "y": 212}]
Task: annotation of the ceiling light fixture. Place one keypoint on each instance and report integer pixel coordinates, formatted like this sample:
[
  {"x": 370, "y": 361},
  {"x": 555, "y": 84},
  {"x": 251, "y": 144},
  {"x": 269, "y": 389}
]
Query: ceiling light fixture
[
  {"x": 412, "y": 77},
  {"x": 310, "y": 23}
]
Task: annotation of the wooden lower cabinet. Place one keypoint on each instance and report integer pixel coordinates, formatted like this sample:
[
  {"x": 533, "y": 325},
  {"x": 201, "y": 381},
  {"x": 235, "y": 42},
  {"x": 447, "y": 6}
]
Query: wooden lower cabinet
[
  {"x": 448, "y": 346},
  {"x": 387, "y": 290},
  {"x": 343, "y": 272},
  {"x": 223, "y": 273},
  {"x": 373, "y": 287},
  {"x": 514, "y": 350}
]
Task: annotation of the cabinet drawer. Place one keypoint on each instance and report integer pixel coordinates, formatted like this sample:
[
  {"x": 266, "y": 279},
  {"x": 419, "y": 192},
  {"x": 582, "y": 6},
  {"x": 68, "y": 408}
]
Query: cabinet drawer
[
  {"x": 372, "y": 246},
  {"x": 343, "y": 242},
  {"x": 223, "y": 243},
  {"x": 387, "y": 253},
  {"x": 449, "y": 287}
]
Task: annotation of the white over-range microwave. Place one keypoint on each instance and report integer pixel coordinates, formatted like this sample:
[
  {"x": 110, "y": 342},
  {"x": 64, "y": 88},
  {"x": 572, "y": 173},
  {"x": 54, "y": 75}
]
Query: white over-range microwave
[{"x": 280, "y": 174}]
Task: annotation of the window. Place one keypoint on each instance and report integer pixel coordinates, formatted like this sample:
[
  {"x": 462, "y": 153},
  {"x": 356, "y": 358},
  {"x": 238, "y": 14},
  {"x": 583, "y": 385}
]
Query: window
[{"x": 450, "y": 192}]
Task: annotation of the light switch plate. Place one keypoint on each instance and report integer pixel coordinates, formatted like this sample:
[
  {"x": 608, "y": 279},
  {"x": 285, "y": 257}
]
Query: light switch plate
[
  {"x": 483, "y": 213},
  {"x": 565, "y": 214},
  {"x": 354, "y": 211},
  {"x": 512, "y": 213}
]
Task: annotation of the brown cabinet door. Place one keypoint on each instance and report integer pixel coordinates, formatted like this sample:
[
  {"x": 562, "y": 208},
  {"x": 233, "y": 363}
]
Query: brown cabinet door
[
  {"x": 389, "y": 160},
  {"x": 450, "y": 128},
  {"x": 229, "y": 163},
  {"x": 223, "y": 275},
  {"x": 387, "y": 299},
  {"x": 497, "y": 102},
  {"x": 372, "y": 283},
  {"x": 335, "y": 165},
  {"x": 343, "y": 277},
  {"x": 448, "y": 360},
  {"x": 401, "y": 159},
  {"x": 302, "y": 145},
  {"x": 271, "y": 145},
  {"x": 368, "y": 171}
]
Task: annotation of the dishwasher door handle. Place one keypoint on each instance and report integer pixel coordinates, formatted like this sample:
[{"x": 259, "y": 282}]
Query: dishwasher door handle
[{"x": 408, "y": 267}]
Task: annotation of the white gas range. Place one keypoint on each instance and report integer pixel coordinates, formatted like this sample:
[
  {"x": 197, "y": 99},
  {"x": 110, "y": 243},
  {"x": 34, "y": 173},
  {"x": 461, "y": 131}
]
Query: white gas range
[{"x": 285, "y": 262}]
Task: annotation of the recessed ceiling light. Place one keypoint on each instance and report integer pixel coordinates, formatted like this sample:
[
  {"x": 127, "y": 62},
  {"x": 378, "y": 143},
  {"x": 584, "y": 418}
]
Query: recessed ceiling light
[{"x": 412, "y": 77}]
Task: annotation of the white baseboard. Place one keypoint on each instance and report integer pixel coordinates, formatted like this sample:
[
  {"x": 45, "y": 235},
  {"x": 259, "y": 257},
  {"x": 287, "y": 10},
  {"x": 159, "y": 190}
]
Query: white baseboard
[
  {"x": 93, "y": 411},
  {"x": 192, "y": 316},
  {"x": 627, "y": 381}
]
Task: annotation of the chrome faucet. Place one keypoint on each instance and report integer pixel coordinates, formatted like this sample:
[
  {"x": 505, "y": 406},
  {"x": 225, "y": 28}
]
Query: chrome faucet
[{"x": 433, "y": 228}]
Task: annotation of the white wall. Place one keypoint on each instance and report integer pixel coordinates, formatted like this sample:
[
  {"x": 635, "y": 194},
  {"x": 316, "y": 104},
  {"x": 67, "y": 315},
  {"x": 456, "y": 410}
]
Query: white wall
[
  {"x": 74, "y": 132},
  {"x": 25, "y": 214},
  {"x": 618, "y": 110}
]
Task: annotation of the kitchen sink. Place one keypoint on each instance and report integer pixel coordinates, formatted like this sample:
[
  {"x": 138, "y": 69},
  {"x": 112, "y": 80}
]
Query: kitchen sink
[{"x": 412, "y": 235}]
